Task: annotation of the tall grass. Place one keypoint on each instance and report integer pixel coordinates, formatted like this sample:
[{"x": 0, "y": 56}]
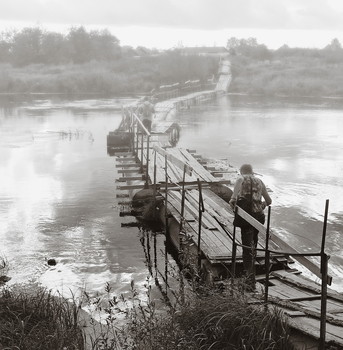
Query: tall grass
[
  {"x": 37, "y": 320},
  {"x": 205, "y": 319},
  {"x": 201, "y": 318}
]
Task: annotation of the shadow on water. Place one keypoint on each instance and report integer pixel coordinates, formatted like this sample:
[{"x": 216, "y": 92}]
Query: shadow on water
[{"x": 162, "y": 263}]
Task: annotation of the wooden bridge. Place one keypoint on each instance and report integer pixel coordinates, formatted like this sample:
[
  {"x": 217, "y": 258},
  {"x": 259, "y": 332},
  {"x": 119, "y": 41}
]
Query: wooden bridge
[{"x": 198, "y": 219}]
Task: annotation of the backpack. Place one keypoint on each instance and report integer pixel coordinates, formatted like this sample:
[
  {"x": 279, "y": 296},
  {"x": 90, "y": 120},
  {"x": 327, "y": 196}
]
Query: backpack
[{"x": 245, "y": 204}]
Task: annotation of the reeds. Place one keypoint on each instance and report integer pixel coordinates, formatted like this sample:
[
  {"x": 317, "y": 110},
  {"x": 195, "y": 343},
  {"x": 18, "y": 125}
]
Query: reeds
[
  {"x": 37, "y": 320},
  {"x": 205, "y": 319}
]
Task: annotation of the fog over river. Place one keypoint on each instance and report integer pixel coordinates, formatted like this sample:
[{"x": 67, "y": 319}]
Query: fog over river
[{"x": 58, "y": 191}]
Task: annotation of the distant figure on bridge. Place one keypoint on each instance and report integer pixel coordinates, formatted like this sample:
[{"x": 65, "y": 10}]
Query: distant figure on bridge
[
  {"x": 254, "y": 189},
  {"x": 146, "y": 111}
]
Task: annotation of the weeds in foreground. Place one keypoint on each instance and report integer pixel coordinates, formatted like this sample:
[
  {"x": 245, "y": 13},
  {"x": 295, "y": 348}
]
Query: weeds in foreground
[
  {"x": 227, "y": 321},
  {"x": 205, "y": 319},
  {"x": 38, "y": 321},
  {"x": 199, "y": 317},
  {"x": 210, "y": 319}
]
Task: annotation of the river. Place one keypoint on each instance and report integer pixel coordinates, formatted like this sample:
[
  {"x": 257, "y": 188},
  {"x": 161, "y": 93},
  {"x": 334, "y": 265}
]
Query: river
[{"x": 58, "y": 191}]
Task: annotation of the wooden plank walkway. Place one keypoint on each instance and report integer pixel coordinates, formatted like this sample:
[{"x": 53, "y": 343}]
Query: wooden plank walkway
[
  {"x": 298, "y": 297},
  {"x": 300, "y": 300},
  {"x": 216, "y": 227},
  {"x": 166, "y": 109}
]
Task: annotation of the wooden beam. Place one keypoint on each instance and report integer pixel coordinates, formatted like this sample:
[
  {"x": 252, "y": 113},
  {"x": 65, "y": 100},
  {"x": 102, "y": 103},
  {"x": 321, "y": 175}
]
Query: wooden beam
[
  {"x": 129, "y": 165},
  {"x": 130, "y": 178},
  {"x": 124, "y": 171},
  {"x": 129, "y": 153},
  {"x": 122, "y": 195},
  {"x": 131, "y": 187},
  {"x": 124, "y": 159},
  {"x": 305, "y": 298}
]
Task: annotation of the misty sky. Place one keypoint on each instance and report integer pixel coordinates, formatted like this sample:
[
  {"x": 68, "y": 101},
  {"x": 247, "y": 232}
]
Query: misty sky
[{"x": 168, "y": 23}]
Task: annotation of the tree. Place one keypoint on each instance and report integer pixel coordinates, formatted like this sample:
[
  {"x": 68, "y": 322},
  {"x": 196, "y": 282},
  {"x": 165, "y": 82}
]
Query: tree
[
  {"x": 104, "y": 45},
  {"x": 335, "y": 45},
  {"x": 26, "y": 47},
  {"x": 6, "y": 40},
  {"x": 80, "y": 45},
  {"x": 248, "y": 47},
  {"x": 54, "y": 48}
]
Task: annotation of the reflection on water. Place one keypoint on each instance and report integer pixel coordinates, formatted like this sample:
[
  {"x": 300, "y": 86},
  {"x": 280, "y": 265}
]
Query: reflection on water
[{"x": 58, "y": 194}]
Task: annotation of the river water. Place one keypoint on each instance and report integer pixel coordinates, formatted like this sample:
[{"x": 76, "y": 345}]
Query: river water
[{"x": 58, "y": 191}]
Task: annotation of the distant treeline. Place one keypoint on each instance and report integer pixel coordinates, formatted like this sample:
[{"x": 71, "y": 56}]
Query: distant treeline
[
  {"x": 286, "y": 71},
  {"x": 35, "y": 60},
  {"x": 35, "y": 46}
]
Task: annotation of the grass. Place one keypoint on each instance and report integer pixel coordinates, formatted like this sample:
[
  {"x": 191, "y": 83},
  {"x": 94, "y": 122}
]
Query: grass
[
  {"x": 196, "y": 317},
  {"x": 227, "y": 321},
  {"x": 37, "y": 320},
  {"x": 203, "y": 319}
]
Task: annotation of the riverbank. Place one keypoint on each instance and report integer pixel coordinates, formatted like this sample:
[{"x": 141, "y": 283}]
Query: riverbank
[
  {"x": 293, "y": 75},
  {"x": 267, "y": 78},
  {"x": 120, "y": 77}
]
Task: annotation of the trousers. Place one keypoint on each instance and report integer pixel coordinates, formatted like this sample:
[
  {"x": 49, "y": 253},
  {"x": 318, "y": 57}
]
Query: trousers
[{"x": 249, "y": 237}]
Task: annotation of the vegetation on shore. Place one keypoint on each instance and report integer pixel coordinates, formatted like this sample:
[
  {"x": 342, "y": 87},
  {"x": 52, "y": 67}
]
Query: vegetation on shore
[
  {"x": 199, "y": 317},
  {"x": 37, "y": 320},
  {"x": 209, "y": 319},
  {"x": 37, "y": 61},
  {"x": 286, "y": 71},
  {"x": 212, "y": 320}
]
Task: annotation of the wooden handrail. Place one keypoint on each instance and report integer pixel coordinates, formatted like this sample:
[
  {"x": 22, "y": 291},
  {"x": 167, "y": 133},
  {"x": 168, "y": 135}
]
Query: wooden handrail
[
  {"x": 141, "y": 124},
  {"x": 283, "y": 245}
]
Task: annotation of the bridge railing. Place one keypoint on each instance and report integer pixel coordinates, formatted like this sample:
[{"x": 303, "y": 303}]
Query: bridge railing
[
  {"x": 140, "y": 140},
  {"x": 186, "y": 170},
  {"x": 321, "y": 272}
]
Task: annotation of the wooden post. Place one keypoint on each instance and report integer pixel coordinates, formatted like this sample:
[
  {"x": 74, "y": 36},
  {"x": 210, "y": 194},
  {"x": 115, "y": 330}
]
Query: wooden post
[
  {"x": 142, "y": 154},
  {"x": 147, "y": 162},
  {"x": 201, "y": 210},
  {"x": 183, "y": 196},
  {"x": 234, "y": 252},
  {"x": 154, "y": 187},
  {"x": 136, "y": 150},
  {"x": 267, "y": 261},
  {"x": 324, "y": 271},
  {"x": 131, "y": 131},
  {"x": 155, "y": 170},
  {"x": 166, "y": 196},
  {"x": 166, "y": 265}
]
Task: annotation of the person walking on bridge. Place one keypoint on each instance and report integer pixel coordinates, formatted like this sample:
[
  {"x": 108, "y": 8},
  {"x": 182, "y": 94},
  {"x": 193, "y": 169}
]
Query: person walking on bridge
[
  {"x": 146, "y": 111},
  {"x": 249, "y": 186}
]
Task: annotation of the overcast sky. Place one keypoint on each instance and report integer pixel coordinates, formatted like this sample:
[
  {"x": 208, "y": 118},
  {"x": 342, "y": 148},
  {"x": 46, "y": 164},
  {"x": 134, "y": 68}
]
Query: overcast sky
[{"x": 168, "y": 23}]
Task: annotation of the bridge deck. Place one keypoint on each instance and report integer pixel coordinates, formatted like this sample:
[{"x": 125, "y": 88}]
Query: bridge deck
[
  {"x": 297, "y": 296},
  {"x": 216, "y": 225}
]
